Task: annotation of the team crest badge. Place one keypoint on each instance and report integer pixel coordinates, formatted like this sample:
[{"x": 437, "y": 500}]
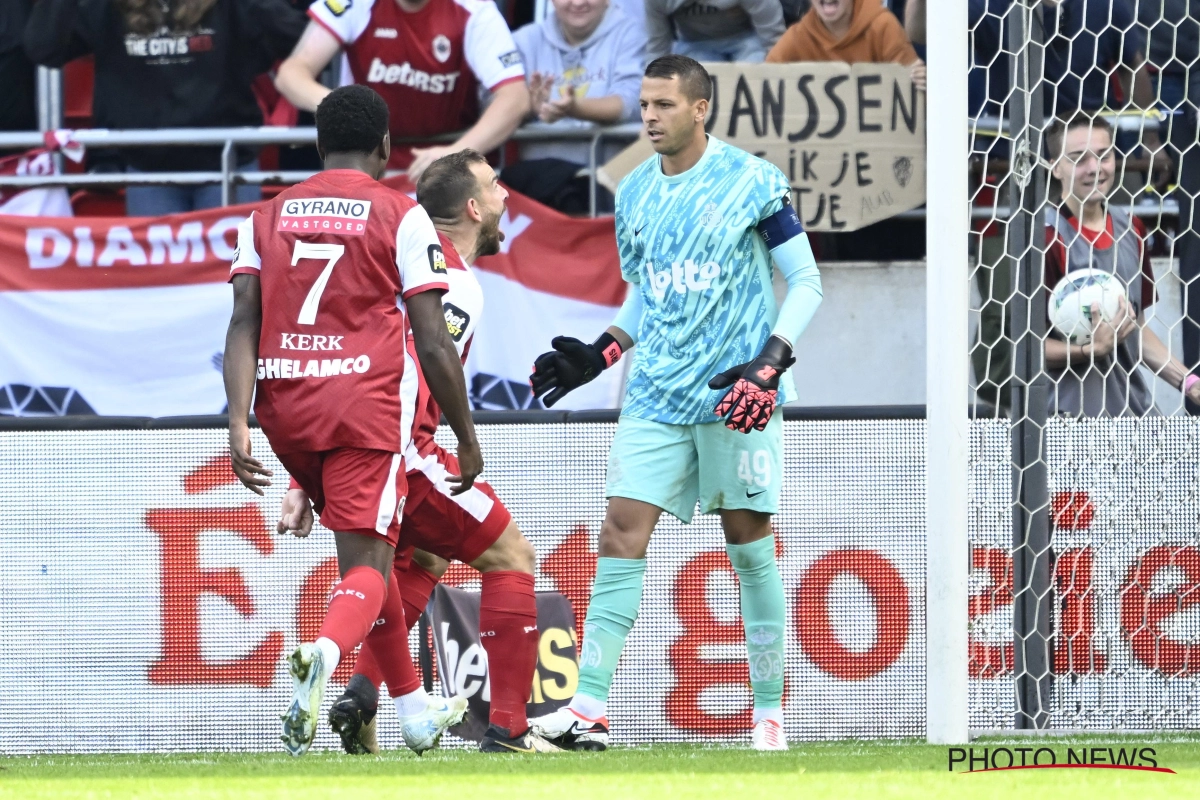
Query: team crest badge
[
  {"x": 338, "y": 7},
  {"x": 711, "y": 217},
  {"x": 441, "y": 48}
]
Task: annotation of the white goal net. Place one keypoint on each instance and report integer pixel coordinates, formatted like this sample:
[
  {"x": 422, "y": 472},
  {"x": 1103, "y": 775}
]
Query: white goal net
[{"x": 1084, "y": 464}]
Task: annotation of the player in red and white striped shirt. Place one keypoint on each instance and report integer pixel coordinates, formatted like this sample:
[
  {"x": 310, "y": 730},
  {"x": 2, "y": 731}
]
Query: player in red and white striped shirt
[
  {"x": 466, "y": 201},
  {"x": 428, "y": 59},
  {"x": 328, "y": 279}
]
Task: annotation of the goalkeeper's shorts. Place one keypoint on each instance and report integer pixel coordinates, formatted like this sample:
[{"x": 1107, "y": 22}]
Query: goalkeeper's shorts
[{"x": 674, "y": 466}]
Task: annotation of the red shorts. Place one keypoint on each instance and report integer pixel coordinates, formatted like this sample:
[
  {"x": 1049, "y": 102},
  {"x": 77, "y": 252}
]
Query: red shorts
[
  {"x": 353, "y": 490},
  {"x": 459, "y": 528}
]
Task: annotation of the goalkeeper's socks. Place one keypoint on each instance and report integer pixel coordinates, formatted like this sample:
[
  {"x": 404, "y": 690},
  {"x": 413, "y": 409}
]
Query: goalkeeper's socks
[
  {"x": 764, "y": 617},
  {"x": 353, "y": 608},
  {"x": 589, "y": 707},
  {"x": 387, "y": 644},
  {"x": 616, "y": 595},
  {"x": 508, "y": 629}
]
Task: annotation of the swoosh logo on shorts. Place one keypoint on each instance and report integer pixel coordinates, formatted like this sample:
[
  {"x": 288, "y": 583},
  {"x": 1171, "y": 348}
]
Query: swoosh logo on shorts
[{"x": 756, "y": 494}]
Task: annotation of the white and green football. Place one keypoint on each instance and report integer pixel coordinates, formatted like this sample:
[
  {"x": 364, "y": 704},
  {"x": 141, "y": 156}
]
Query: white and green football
[{"x": 1070, "y": 307}]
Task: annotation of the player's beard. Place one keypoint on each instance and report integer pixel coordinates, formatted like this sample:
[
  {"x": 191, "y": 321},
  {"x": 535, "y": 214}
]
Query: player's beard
[{"x": 490, "y": 236}]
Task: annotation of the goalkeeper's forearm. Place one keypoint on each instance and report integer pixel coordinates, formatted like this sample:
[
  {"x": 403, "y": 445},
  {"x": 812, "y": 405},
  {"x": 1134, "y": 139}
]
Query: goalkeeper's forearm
[
  {"x": 795, "y": 260},
  {"x": 629, "y": 320}
]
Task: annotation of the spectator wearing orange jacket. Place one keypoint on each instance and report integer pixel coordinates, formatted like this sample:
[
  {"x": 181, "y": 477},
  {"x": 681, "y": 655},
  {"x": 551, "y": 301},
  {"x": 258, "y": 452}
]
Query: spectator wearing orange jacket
[{"x": 853, "y": 31}]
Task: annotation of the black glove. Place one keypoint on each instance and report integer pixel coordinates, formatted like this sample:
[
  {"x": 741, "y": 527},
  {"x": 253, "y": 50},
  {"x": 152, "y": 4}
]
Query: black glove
[
  {"x": 751, "y": 402},
  {"x": 570, "y": 365}
]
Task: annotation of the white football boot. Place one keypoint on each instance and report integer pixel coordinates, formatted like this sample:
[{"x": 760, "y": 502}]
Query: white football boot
[
  {"x": 309, "y": 674},
  {"x": 569, "y": 730},
  {"x": 768, "y": 735},
  {"x": 422, "y": 731}
]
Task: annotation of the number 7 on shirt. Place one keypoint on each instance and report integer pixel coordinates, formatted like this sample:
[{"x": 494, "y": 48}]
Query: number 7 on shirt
[{"x": 330, "y": 253}]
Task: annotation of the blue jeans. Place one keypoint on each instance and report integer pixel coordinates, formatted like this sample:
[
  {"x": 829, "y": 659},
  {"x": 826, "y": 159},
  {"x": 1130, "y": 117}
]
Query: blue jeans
[
  {"x": 746, "y": 47},
  {"x": 153, "y": 201}
]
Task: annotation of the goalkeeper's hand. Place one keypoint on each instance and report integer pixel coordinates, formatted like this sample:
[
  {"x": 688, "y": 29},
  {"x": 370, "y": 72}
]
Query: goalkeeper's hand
[
  {"x": 570, "y": 365},
  {"x": 751, "y": 402}
]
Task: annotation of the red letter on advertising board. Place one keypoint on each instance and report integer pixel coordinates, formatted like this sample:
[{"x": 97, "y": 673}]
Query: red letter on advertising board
[
  {"x": 572, "y": 566},
  {"x": 1073, "y": 652},
  {"x": 1144, "y": 607},
  {"x": 815, "y": 627},
  {"x": 311, "y": 608},
  {"x": 183, "y": 581},
  {"x": 990, "y": 660}
]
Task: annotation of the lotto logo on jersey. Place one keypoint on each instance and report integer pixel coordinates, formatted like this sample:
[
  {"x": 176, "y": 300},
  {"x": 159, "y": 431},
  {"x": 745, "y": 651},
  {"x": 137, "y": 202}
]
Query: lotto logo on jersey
[
  {"x": 683, "y": 277},
  {"x": 337, "y": 215}
]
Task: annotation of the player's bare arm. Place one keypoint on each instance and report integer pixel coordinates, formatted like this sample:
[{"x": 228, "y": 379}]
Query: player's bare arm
[
  {"x": 443, "y": 371},
  {"x": 240, "y": 367},
  {"x": 508, "y": 109},
  {"x": 296, "y": 78}
]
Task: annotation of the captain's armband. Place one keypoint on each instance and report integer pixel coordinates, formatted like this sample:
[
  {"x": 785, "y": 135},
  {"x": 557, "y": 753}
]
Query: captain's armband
[{"x": 782, "y": 226}]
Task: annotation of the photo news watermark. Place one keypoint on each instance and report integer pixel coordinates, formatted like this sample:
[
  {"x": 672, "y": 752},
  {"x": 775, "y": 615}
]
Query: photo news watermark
[{"x": 1007, "y": 757}]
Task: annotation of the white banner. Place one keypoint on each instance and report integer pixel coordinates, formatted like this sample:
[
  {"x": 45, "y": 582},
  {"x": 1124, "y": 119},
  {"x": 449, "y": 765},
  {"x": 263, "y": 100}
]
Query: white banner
[
  {"x": 127, "y": 317},
  {"x": 146, "y": 603}
]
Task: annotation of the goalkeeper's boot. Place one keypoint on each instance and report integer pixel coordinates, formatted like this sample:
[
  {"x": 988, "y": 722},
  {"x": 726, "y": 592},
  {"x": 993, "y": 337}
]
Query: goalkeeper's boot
[
  {"x": 498, "y": 740},
  {"x": 570, "y": 730},
  {"x": 423, "y": 731},
  {"x": 309, "y": 674},
  {"x": 768, "y": 735},
  {"x": 352, "y": 716}
]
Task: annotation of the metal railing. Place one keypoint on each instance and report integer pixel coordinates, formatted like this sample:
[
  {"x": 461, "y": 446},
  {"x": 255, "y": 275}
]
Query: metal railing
[{"x": 229, "y": 139}]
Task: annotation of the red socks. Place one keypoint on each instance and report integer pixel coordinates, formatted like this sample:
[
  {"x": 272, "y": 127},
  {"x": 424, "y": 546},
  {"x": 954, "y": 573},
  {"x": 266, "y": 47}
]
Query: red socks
[
  {"x": 508, "y": 629},
  {"x": 416, "y": 587},
  {"x": 412, "y": 587},
  {"x": 353, "y": 608},
  {"x": 388, "y": 645}
]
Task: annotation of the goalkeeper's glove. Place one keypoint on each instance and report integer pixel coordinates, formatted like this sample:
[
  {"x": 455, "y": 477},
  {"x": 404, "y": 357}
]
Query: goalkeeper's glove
[
  {"x": 750, "y": 403},
  {"x": 570, "y": 365}
]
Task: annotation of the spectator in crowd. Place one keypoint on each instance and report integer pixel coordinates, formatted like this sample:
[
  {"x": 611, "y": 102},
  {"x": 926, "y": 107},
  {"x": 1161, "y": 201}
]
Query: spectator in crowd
[
  {"x": 713, "y": 30},
  {"x": 18, "y": 111},
  {"x": 1173, "y": 51},
  {"x": 1082, "y": 231},
  {"x": 174, "y": 64},
  {"x": 428, "y": 59},
  {"x": 584, "y": 62},
  {"x": 853, "y": 31}
]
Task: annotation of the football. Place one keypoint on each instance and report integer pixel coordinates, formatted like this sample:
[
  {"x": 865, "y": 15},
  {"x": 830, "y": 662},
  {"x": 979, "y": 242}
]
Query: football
[{"x": 1071, "y": 302}]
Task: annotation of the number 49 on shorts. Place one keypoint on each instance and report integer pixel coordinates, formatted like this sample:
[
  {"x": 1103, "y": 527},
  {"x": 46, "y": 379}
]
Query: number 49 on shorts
[{"x": 754, "y": 469}]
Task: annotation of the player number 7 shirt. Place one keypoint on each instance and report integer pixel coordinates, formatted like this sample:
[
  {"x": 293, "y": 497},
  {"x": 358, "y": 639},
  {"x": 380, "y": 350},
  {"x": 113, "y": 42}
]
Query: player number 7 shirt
[{"x": 336, "y": 256}]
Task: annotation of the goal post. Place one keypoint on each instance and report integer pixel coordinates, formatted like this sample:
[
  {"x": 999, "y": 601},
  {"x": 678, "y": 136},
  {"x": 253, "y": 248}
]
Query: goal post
[{"x": 947, "y": 377}]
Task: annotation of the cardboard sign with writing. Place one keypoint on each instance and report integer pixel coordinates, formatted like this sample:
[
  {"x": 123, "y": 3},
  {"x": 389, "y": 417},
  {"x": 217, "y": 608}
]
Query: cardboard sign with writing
[{"x": 850, "y": 138}]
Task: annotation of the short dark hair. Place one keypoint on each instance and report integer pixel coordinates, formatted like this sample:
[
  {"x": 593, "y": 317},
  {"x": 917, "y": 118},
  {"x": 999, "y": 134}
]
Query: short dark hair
[
  {"x": 1057, "y": 133},
  {"x": 447, "y": 184},
  {"x": 351, "y": 119},
  {"x": 693, "y": 78}
]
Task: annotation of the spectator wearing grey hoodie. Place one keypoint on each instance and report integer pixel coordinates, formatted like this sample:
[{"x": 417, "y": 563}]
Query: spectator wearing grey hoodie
[
  {"x": 713, "y": 30},
  {"x": 584, "y": 66}
]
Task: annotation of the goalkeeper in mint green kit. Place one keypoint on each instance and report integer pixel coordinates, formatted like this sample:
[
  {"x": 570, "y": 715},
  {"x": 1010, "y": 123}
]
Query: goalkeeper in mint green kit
[{"x": 698, "y": 226}]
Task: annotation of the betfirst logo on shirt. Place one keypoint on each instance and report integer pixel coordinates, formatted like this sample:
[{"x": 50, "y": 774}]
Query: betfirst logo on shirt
[{"x": 336, "y": 215}]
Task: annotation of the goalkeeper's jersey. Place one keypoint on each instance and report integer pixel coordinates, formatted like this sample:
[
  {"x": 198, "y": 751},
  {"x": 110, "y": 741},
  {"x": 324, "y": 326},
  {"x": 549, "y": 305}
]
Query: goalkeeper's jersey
[{"x": 690, "y": 245}]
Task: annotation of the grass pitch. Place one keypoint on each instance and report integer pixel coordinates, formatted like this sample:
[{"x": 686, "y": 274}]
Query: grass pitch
[{"x": 843, "y": 770}]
